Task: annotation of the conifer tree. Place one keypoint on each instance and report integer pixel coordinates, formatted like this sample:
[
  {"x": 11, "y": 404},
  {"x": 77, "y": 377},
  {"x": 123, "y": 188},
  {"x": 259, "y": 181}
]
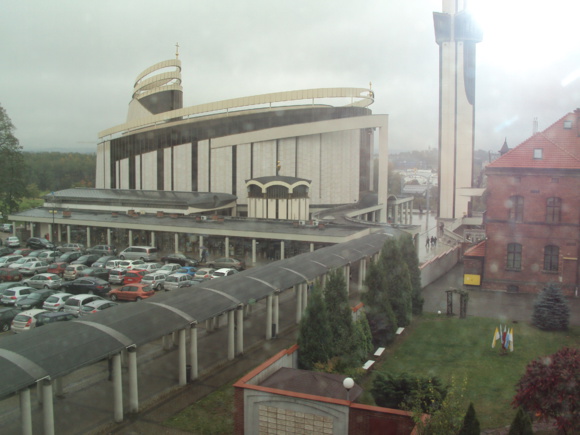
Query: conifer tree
[
  {"x": 522, "y": 425},
  {"x": 339, "y": 314},
  {"x": 409, "y": 254},
  {"x": 470, "y": 422},
  {"x": 381, "y": 318},
  {"x": 314, "y": 332},
  {"x": 551, "y": 310},
  {"x": 12, "y": 167},
  {"x": 399, "y": 289}
]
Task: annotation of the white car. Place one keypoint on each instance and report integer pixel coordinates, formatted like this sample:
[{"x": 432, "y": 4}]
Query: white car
[
  {"x": 177, "y": 280},
  {"x": 130, "y": 264},
  {"x": 26, "y": 320},
  {"x": 7, "y": 260},
  {"x": 34, "y": 267},
  {"x": 56, "y": 301},
  {"x": 224, "y": 271},
  {"x": 12, "y": 242},
  {"x": 169, "y": 268},
  {"x": 22, "y": 261}
]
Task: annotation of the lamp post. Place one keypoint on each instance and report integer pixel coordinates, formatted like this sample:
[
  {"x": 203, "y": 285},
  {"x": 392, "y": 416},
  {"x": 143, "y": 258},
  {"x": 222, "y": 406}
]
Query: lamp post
[{"x": 348, "y": 383}]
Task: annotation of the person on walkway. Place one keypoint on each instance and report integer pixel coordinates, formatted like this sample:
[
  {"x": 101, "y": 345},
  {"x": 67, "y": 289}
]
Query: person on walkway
[{"x": 427, "y": 242}]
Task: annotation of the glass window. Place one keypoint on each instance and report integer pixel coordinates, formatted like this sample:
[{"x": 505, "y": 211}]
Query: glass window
[
  {"x": 551, "y": 257},
  {"x": 553, "y": 210},
  {"x": 516, "y": 208}
]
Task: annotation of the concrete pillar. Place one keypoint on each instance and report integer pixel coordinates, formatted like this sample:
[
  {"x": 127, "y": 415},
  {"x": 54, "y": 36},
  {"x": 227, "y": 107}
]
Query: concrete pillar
[
  {"x": 88, "y": 245},
  {"x": 200, "y": 246},
  {"x": 68, "y": 234},
  {"x": 153, "y": 239},
  {"x": 276, "y": 314},
  {"x": 253, "y": 251},
  {"x": 305, "y": 288},
  {"x": 47, "y": 407},
  {"x": 193, "y": 352},
  {"x": 182, "y": 359},
  {"x": 361, "y": 265},
  {"x": 25, "y": 412},
  {"x": 130, "y": 237},
  {"x": 240, "y": 330},
  {"x": 109, "y": 236},
  {"x": 208, "y": 325},
  {"x": 298, "y": 288},
  {"x": 347, "y": 277},
  {"x": 269, "y": 317},
  {"x": 58, "y": 231},
  {"x": 227, "y": 247},
  {"x": 39, "y": 392},
  {"x": 133, "y": 381},
  {"x": 231, "y": 335},
  {"x": 50, "y": 236},
  {"x": 176, "y": 242},
  {"x": 311, "y": 247},
  {"x": 117, "y": 389},
  {"x": 282, "y": 250}
]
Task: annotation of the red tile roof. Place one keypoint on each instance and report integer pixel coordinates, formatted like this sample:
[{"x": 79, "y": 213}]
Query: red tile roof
[
  {"x": 560, "y": 148},
  {"x": 476, "y": 251}
]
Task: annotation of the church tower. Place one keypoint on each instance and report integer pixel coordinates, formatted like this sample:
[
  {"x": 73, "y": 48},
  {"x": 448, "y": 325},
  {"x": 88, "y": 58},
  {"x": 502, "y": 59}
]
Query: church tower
[{"x": 456, "y": 33}]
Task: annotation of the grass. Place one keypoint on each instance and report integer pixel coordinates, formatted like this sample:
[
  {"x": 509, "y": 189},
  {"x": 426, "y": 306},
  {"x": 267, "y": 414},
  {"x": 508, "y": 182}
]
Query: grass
[
  {"x": 436, "y": 346},
  {"x": 461, "y": 348}
]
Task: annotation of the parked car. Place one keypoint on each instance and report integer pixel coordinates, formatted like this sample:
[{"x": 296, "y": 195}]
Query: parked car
[
  {"x": 220, "y": 273},
  {"x": 180, "y": 259},
  {"x": 190, "y": 270},
  {"x": 57, "y": 268},
  {"x": 71, "y": 271},
  {"x": 177, "y": 280},
  {"x": 113, "y": 264},
  {"x": 39, "y": 243},
  {"x": 7, "y": 228},
  {"x": 48, "y": 256},
  {"x": 117, "y": 276},
  {"x": 34, "y": 267},
  {"x": 204, "y": 272},
  {"x": 8, "y": 274},
  {"x": 86, "y": 259},
  {"x": 96, "y": 306},
  {"x": 97, "y": 272},
  {"x": 23, "y": 251},
  {"x": 145, "y": 253},
  {"x": 9, "y": 284},
  {"x": 70, "y": 256},
  {"x": 12, "y": 295},
  {"x": 150, "y": 267},
  {"x": 13, "y": 242},
  {"x": 102, "y": 250},
  {"x": 75, "y": 304},
  {"x": 102, "y": 261},
  {"x": 36, "y": 253},
  {"x": 26, "y": 320},
  {"x": 55, "y": 302},
  {"x": 22, "y": 261},
  {"x": 44, "y": 280},
  {"x": 132, "y": 292},
  {"x": 51, "y": 317},
  {"x": 70, "y": 247},
  {"x": 7, "y": 314},
  {"x": 229, "y": 262},
  {"x": 5, "y": 250},
  {"x": 87, "y": 285},
  {"x": 134, "y": 276},
  {"x": 130, "y": 264},
  {"x": 7, "y": 260},
  {"x": 169, "y": 268},
  {"x": 155, "y": 280},
  {"x": 33, "y": 300}
]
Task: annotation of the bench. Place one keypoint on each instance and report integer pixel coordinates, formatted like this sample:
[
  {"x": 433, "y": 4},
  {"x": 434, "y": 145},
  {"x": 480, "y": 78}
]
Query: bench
[
  {"x": 368, "y": 364},
  {"x": 400, "y": 331},
  {"x": 379, "y": 352}
]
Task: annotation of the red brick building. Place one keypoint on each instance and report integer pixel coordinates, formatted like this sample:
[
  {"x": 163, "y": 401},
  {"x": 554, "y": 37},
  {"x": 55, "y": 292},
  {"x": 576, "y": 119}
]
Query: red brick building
[{"x": 532, "y": 219}]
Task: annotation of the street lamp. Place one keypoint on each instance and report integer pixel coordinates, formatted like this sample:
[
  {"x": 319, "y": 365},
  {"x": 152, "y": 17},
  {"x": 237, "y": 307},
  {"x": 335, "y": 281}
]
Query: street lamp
[{"x": 348, "y": 383}]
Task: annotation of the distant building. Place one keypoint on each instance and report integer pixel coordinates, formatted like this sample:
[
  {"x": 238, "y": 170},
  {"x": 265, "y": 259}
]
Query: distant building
[{"x": 532, "y": 214}]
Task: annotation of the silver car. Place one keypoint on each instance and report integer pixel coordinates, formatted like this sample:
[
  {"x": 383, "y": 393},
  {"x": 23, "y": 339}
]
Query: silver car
[
  {"x": 44, "y": 280},
  {"x": 26, "y": 320},
  {"x": 7, "y": 260},
  {"x": 33, "y": 267},
  {"x": 76, "y": 303},
  {"x": 22, "y": 261},
  {"x": 155, "y": 280},
  {"x": 12, "y": 295},
  {"x": 56, "y": 301},
  {"x": 177, "y": 280}
]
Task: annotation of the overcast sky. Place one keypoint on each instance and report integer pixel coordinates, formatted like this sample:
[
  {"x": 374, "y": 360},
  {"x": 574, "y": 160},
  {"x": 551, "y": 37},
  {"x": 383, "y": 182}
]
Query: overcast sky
[{"x": 68, "y": 66}]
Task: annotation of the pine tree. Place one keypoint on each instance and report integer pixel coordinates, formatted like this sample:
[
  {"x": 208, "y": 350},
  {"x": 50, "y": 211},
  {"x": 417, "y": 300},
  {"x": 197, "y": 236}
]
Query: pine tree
[
  {"x": 339, "y": 314},
  {"x": 12, "y": 167},
  {"x": 399, "y": 288},
  {"x": 409, "y": 254},
  {"x": 314, "y": 333},
  {"x": 521, "y": 425},
  {"x": 551, "y": 310},
  {"x": 470, "y": 422}
]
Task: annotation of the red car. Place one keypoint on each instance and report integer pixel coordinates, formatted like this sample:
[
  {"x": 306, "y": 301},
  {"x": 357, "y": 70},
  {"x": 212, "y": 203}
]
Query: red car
[
  {"x": 23, "y": 251},
  {"x": 8, "y": 274},
  {"x": 57, "y": 268},
  {"x": 132, "y": 292},
  {"x": 134, "y": 276}
]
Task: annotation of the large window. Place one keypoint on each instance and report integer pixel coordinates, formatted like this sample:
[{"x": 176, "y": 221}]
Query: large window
[
  {"x": 516, "y": 208},
  {"x": 553, "y": 210},
  {"x": 514, "y": 256},
  {"x": 551, "y": 256}
]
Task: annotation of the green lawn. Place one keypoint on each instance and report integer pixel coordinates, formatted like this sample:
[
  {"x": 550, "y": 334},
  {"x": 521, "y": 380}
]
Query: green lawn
[{"x": 447, "y": 346}]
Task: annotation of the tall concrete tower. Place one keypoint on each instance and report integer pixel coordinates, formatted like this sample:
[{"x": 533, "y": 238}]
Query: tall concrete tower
[{"x": 456, "y": 34}]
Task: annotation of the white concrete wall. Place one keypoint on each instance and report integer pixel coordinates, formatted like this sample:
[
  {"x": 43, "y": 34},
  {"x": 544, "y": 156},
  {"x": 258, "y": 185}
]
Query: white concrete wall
[
  {"x": 287, "y": 156},
  {"x": 203, "y": 166},
  {"x": 264, "y": 157},
  {"x": 182, "y": 168},
  {"x": 167, "y": 169},
  {"x": 103, "y": 171},
  {"x": 149, "y": 167},
  {"x": 123, "y": 178},
  {"x": 339, "y": 167},
  {"x": 138, "y": 172},
  {"x": 308, "y": 163},
  {"x": 221, "y": 170},
  {"x": 243, "y": 171}
]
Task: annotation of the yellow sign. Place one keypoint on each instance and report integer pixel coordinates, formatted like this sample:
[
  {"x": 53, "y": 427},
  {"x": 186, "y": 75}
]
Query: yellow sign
[{"x": 471, "y": 279}]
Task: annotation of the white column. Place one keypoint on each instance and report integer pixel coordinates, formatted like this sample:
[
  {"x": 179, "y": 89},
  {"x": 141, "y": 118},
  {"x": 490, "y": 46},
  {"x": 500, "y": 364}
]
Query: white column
[
  {"x": 182, "y": 359},
  {"x": 108, "y": 236},
  {"x": 282, "y": 250},
  {"x": 200, "y": 246},
  {"x": 361, "y": 265},
  {"x": 231, "y": 338},
  {"x": 253, "y": 251},
  {"x": 269, "y": 317},
  {"x": 152, "y": 238},
  {"x": 227, "y": 247},
  {"x": 298, "y": 288},
  {"x": 304, "y": 297},
  {"x": 68, "y": 233},
  {"x": 117, "y": 389},
  {"x": 176, "y": 242},
  {"x": 58, "y": 231},
  {"x": 130, "y": 237},
  {"x": 311, "y": 247},
  {"x": 50, "y": 236},
  {"x": 47, "y": 407},
  {"x": 88, "y": 237},
  {"x": 133, "y": 381},
  {"x": 240, "y": 330},
  {"x": 25, "y": 412},
  {"x": 193, "y": 352},
  {"x": 276, "y": 314},
  {"x": 347, "y": 277}
]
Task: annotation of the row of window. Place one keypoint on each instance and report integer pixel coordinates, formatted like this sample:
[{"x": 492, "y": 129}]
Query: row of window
[
  {"x": 514, "y": 257},
  {"x": 553, "y": 209}
]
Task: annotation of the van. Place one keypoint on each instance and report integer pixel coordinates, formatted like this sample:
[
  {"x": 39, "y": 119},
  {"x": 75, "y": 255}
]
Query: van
[{"x": 145, "y": 253}]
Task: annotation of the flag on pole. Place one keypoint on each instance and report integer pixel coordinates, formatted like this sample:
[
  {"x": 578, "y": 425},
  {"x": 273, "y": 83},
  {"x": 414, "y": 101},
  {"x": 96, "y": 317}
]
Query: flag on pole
[
  {"x": 512, "y": 340},
  {"x": 495, "y": 337}
]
